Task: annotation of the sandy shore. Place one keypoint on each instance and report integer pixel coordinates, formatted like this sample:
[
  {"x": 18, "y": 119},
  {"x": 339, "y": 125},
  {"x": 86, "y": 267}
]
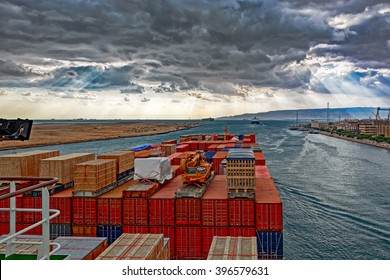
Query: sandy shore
[
  {"x": 361, "y": 141},
  {"x": 54, "y": 134}
]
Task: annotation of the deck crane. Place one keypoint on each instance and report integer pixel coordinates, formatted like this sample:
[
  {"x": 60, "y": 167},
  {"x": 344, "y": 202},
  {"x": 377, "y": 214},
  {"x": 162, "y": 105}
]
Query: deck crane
[{"x": 15, "y": 129}]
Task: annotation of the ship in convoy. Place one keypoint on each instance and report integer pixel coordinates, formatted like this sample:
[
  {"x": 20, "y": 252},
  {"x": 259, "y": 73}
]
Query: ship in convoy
[
  {"x": 255, "y": 120},
  {"x": 203, "y": 196},
  {"x": 207, "y": 119}
]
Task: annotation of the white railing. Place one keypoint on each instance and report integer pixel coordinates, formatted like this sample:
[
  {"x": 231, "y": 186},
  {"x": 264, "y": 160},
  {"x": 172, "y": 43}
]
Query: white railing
[{"x": 44, "y": 251}]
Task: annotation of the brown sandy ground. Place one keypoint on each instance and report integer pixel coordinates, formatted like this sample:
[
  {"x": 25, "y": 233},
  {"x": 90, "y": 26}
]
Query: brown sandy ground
[{"x": 54, "y": 134}]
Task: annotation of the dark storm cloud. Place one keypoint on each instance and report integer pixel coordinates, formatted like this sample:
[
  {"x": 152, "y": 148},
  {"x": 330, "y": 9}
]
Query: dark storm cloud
[
  {"x": 132, "y": 88},
  {"x": 186, "y": 45}
]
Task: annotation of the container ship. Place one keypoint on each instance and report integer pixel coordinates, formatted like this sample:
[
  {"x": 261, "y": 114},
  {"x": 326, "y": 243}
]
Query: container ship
[{"x": 203, "y": 196}]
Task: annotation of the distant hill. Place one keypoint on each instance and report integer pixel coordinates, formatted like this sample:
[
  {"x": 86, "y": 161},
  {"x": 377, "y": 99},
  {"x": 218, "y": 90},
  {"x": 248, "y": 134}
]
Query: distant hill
[{"x": 311, "y": 114}]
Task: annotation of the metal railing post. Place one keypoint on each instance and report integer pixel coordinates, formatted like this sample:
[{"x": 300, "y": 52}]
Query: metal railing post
[
  {"x": 44, "y": 249},
  {"x": 12, "y": 220}
]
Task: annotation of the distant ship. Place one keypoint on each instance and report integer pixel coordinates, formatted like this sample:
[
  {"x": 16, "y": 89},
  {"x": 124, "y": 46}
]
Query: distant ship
[
  {"x": 208, "y": 119},
  {"x": 255, "y": 121}
]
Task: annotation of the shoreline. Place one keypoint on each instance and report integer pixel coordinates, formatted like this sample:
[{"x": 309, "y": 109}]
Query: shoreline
[
  {"x": 385, "y": 146},
  {"x": 59, "y": 134}
]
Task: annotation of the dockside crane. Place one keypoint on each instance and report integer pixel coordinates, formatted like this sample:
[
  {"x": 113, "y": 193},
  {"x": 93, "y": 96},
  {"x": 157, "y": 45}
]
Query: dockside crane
[{"x": 377, "y": 115}]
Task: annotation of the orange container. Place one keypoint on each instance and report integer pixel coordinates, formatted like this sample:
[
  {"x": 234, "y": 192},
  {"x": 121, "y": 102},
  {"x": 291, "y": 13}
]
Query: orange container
[
  {"x": 259, "y": 158},
  {"x": 261, "y": 171},
  {"x": 62, "y": 201},
  {"x": 217, "y": 159},
  {"x": 269, "y": 208},
  {"x": 215, "y": 203},
  {"x": 84, "y": 230},
  {"x": 162, "y": 204}
]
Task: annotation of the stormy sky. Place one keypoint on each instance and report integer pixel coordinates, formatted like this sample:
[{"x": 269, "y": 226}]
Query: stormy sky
[{"x": 190, "y": 58}]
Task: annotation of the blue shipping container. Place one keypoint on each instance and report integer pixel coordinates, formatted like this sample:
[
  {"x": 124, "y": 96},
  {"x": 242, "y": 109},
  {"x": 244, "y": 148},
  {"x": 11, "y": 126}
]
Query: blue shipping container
[
  {"x": 110, "y": 231},
  {"x": 269, "y": 244},
  {"x": 140, "y": 148},
  {"x": 57, "y": 230},
  {"x": 209, "y": 156}
]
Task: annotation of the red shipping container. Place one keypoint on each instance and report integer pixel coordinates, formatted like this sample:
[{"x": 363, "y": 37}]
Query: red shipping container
[
  {"x": 35, "y": 231},
  {"x": 212, "y": 147},
  {"x": 4, "y": 215},
  {"x": 4, "y": 228},
  {"x": 109, "y": 211},
  {"x": 262, "y": 172},
  {"x": 221, "y": 146},
  {"x": 135, "y": 211},
  {"x": 252, "y": 137},
  {"x": 84, "y": 211},
  {"x": 176, "y": 159},
  {"x": 202, "y": 145},
  {"x": 269, "y": 207},
  {"x": 176, "y": 170},
  {"x": 188, "y": 211},
  {"x": 217, "y": 159},
  {"x": 84, "y": 230},
  {"x": 215, "y": 203},
  {"x": 62, "y": 201},
  {"x": 194, "y": 145},
  {"x": 241, "y": 212},
  {"x": 135, "y": 229},
  {"x": 162, "y": 204},
  {"x": 207, "y": 237},
  {"x": 239, "y": 231},
  {"x": 168, "y": 232},
  {"x": 34, "y": 202},
  {"x": 172, "y": 141},
  {"x": 188, "y": 243},
  {"x": 259, "y": 158},
  {"x": 230, "y": 145},
  {"x": 183, "y": 148},
  {"x": 110, "y": 205}
]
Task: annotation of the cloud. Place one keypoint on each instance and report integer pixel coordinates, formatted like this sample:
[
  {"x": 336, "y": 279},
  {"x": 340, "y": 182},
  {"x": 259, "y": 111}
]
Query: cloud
[
  {"x": 207, "y": 47},
  {"x": 26, "y": 94},
  {"x": 132, "y": 88},
  {"x": 172, "y": 87},
  {"x": 145, "y": 99},
  {"x": 4, "y": 91},
  {"x": 175, "y": 101}
]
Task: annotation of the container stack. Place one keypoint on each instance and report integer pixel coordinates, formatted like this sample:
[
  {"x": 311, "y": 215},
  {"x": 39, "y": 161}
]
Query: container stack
[
  {"x": 240, "y": 173},
  {"x": 162, "y": 211},
  {"x": 62, "y": 224},
  {"x": 215, "y": 213},
  {"x": 135, "y": 205},
  {"x": 233, "y": 248},
  {"x": 241, "y": 201},
  {"x": 269, "y": 220},
  {"x": 135, "y": 247},
  {"x": 110, "y": 215}
]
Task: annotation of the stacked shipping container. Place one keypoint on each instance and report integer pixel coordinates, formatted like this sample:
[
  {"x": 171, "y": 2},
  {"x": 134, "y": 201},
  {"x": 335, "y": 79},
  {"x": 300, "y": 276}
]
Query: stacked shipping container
[{"x": 139, "y": 207}]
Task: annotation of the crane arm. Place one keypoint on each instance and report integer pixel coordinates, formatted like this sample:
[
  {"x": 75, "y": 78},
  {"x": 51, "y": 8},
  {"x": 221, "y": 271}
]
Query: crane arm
[{"x": 15, "y": 129}]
